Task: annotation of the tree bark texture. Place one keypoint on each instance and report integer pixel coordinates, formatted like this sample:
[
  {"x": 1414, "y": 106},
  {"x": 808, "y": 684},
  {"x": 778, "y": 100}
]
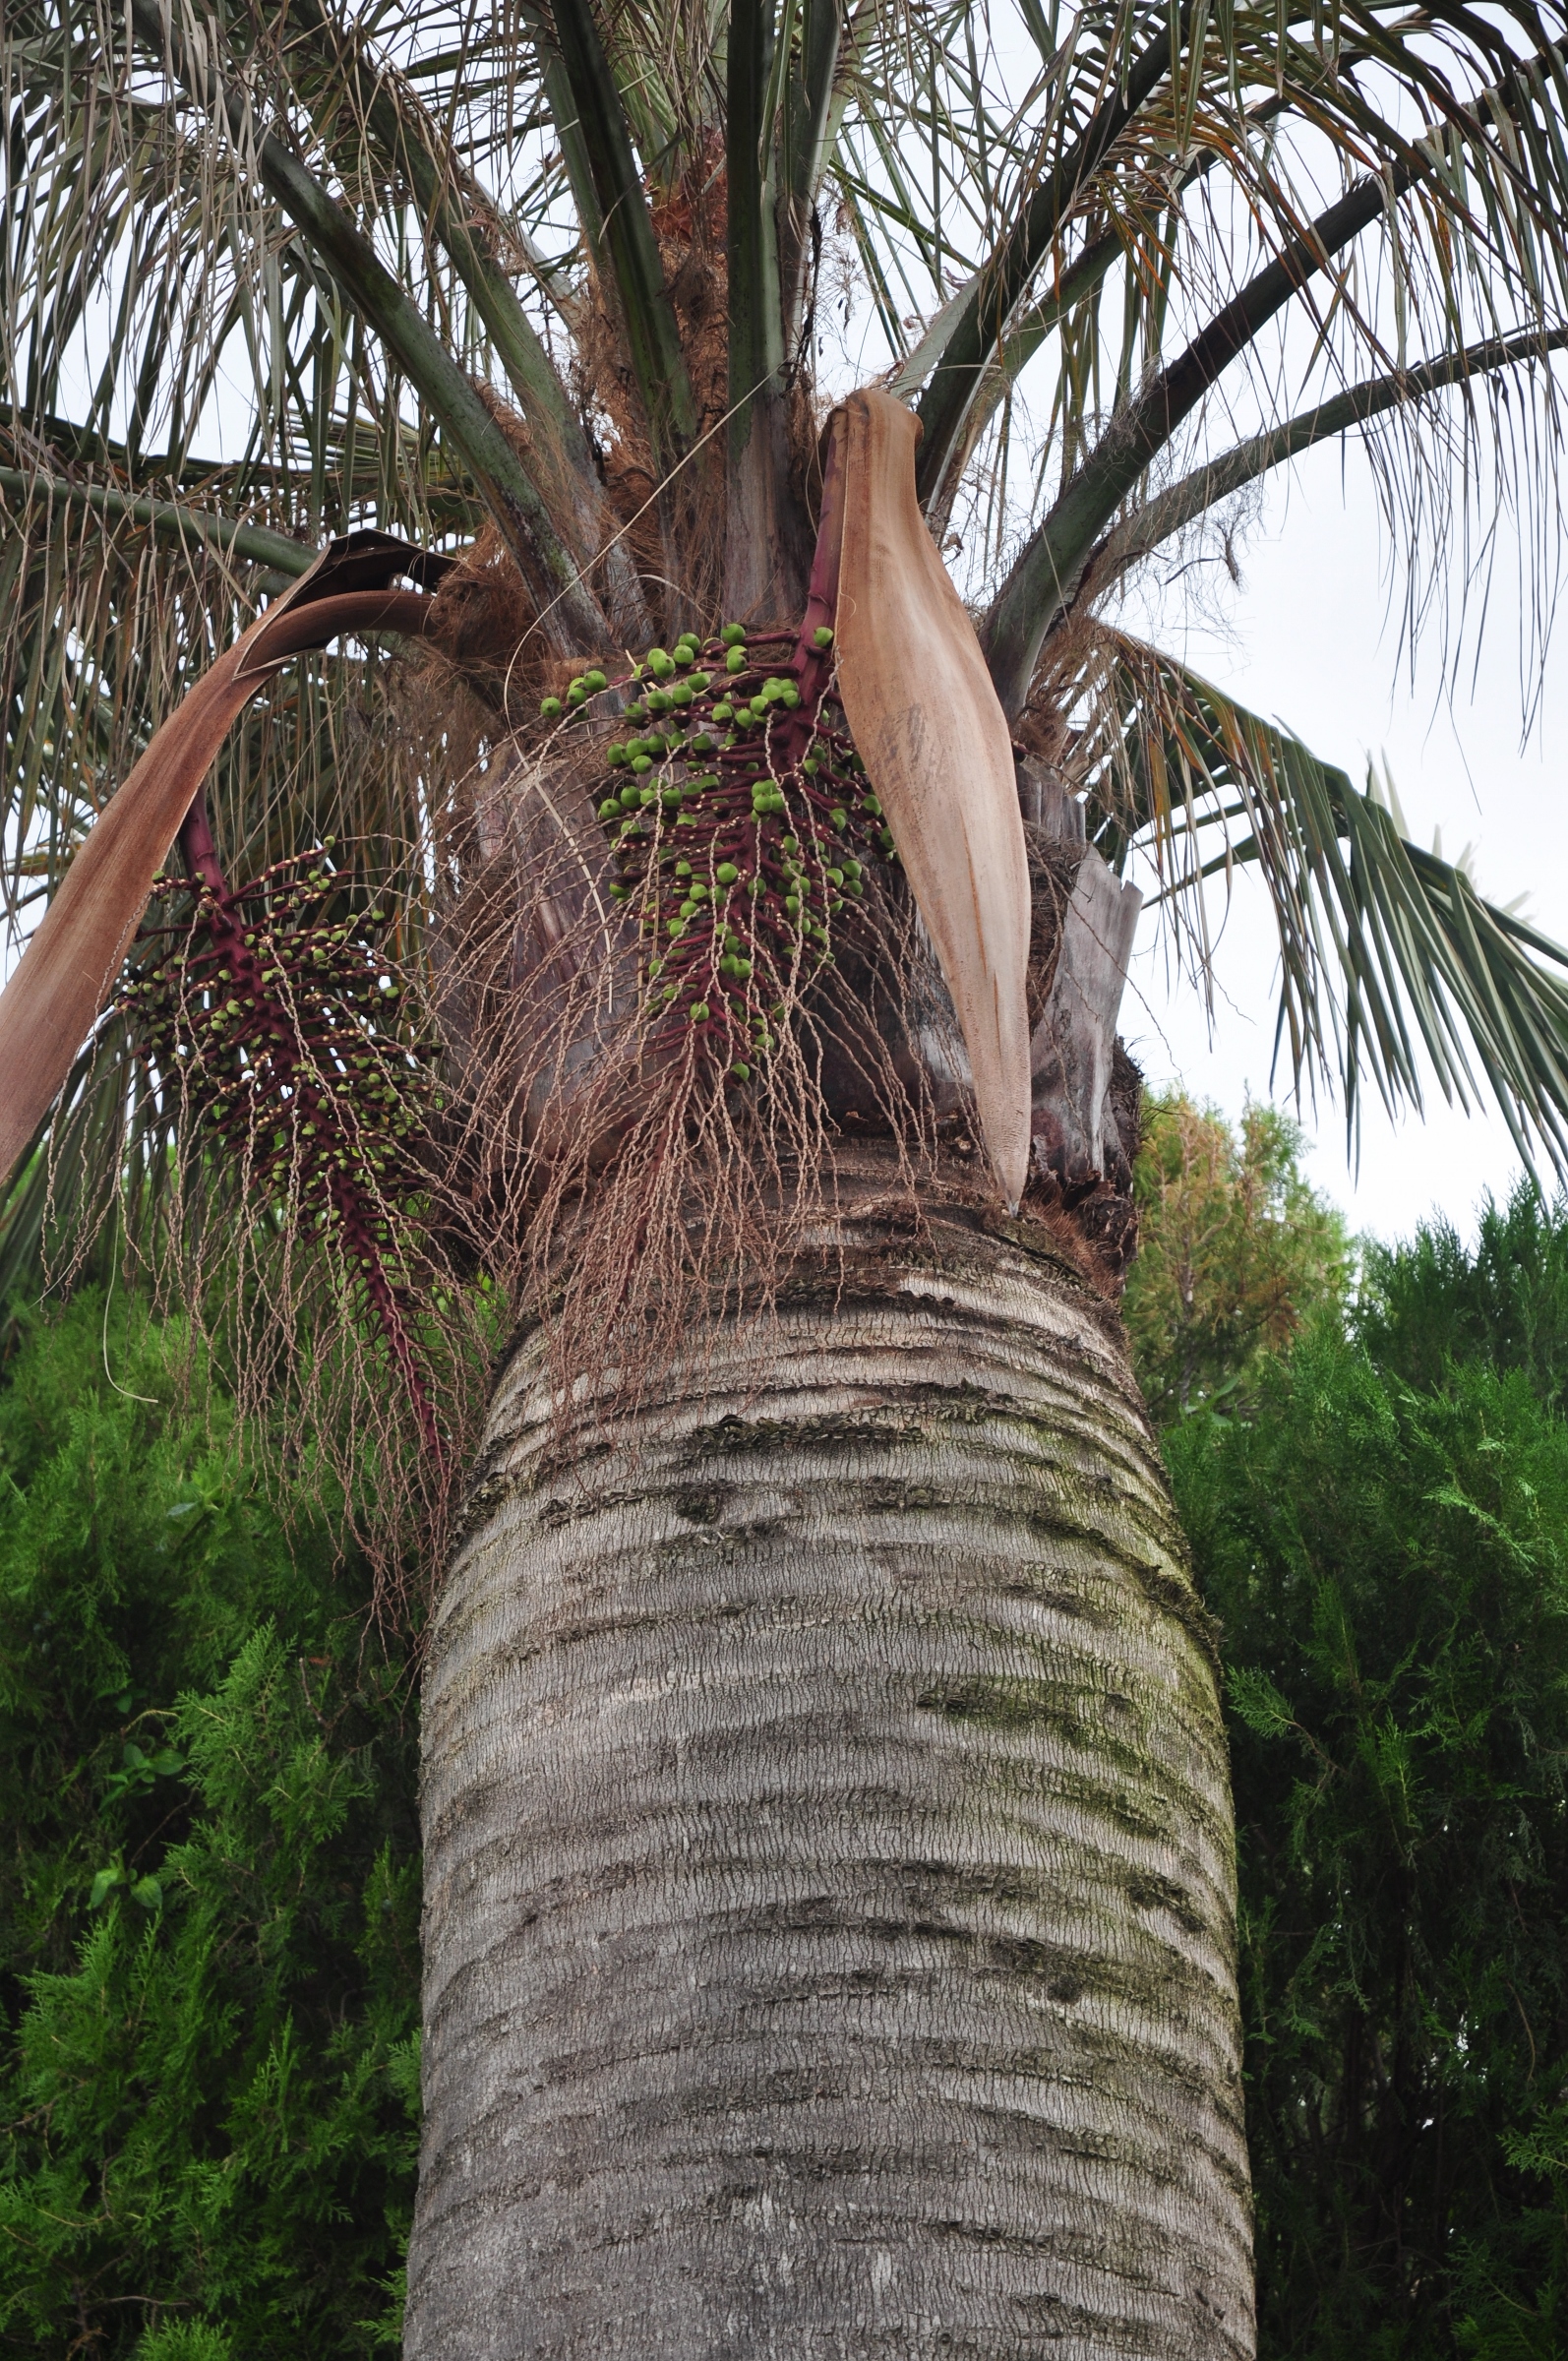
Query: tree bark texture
[{"x": 829, "y": 1921}]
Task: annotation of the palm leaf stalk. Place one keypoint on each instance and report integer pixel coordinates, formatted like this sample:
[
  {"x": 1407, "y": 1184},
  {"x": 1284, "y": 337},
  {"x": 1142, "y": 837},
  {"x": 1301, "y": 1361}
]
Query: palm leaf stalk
[{"x": 766, "y": 896}]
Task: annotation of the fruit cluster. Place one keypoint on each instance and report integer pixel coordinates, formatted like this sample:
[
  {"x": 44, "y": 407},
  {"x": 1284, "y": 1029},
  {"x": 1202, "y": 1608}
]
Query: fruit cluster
[
  {"x": 271, "y": 1016},
  {"x": 742, "y": 821}
]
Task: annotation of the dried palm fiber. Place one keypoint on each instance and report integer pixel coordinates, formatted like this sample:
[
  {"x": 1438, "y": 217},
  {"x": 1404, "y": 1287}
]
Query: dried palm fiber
[
  {"x": 927, "y": 724},
  {"x": 67, "y": 974}
]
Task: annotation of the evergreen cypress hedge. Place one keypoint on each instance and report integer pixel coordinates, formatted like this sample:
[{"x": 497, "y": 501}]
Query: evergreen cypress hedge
[
  {"x": 208, "y": 1889},
  {"x": 1384, "y": 1539},
  {"x": 209, "y": 1902}
]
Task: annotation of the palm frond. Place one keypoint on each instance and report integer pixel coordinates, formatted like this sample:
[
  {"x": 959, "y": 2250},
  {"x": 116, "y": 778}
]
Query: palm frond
[
  {"x": 1180, "y": 504},
  {"x": 1393, "y": 968},
  {"x": 628, "y": 242},
  {"x": 1046, "y": 573},
  {"x": 568, "y": 611},
  {"x": 1119, "y": 69}
]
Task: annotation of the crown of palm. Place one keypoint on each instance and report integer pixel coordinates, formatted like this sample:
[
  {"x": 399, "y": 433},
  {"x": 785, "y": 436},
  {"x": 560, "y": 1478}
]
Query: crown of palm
[{"x": 582, "y": 279}]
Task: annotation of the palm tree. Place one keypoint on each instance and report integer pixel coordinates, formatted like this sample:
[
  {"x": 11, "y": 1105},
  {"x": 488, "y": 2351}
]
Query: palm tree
[{"x": 674, "y": 941}]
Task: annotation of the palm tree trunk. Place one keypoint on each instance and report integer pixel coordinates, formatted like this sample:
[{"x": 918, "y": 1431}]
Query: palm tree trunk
[{"x": 829, "y": 1934}]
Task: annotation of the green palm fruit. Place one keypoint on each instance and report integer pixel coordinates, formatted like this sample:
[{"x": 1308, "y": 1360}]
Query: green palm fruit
[
  {"x": 631, "y": 798},
  {"x": 682, "y": 869},
  {"x": 758, "y": 708},
  {"x": 576, "y": 694},
  {"x": 735, "y": 662},
  {"x": 700, "y": 1012},
  {"x": 723, "y": 711},
  {"x": 702, "y": 744},
  {"x": 789, "y": 697},
  {"x": 821, "y": 636},
  {"x": 698, "y": 891},
  {"x": 726, "y": 873},
  {"x": 733, "y": 635},
  {"x": 637, "y": 712},
  {"x": 658, "y": 700},
  {"x": 594, "y": 681},
  {"x": 740, "y": 1070},
  {"x": 701, "y": 682},
  {"x": 792, "y": 903},
  {"x": 610, "y": 809},
  {"x": 834, "y": 876},
  {"x": 640, "y": 762},
  {"x": 550, "y": 708},
  {"x": 620, "y": 893},
  {"x": 660, "y": 664},
  {"x": 680, "y": 694},
  {"x": 838, "y": 816},
  {"x": 870, "y": 804},
  {"x": 615, "y": 754},
  {"x": 673, "y": 926},
  {"x": 790, "y": 845}
]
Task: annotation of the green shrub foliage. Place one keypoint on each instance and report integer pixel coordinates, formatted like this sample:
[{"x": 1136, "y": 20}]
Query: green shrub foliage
[
  {"x": 1384, "y": 1539},
  {"x": 209, "y": 1905},
  {"x": 209, "y": 1896},
  {"x": 1236, "y": 1250},
  {"x": 1427, "y": 1304}
]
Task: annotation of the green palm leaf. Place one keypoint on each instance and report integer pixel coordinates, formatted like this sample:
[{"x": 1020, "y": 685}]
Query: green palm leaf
[{"x": 1393, "y": 969}]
